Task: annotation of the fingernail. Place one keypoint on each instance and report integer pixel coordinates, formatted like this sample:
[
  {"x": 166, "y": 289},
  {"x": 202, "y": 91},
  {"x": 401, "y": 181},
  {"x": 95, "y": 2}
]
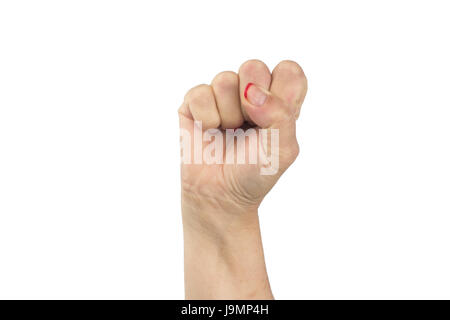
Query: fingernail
[{"x": 254, "y": 95}]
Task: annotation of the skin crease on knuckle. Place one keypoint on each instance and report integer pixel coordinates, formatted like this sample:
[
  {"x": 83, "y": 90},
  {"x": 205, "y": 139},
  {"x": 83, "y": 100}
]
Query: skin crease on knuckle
[{"x": 220, "y": 202}]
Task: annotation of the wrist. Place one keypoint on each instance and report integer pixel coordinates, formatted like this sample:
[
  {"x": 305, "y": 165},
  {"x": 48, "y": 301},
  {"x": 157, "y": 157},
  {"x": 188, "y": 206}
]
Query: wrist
[
  {"x": 224, "y": 256},
  {"x": 218, "y": 221}
]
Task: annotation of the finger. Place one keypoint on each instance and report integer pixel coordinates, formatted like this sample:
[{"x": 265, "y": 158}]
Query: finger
[
  {"x": 185, "y": 117},
  {"x": 202, "y": 106},
  {"x": 289, "y": 83},
  {"x": 226, "y": 91},
  {"x": 252, "y": 71},
  {"x": 269, "y": 111}
]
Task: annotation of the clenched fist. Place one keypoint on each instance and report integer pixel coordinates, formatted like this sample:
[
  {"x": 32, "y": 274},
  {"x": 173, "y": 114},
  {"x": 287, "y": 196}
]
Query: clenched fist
[{"x": 238, "y": 137}]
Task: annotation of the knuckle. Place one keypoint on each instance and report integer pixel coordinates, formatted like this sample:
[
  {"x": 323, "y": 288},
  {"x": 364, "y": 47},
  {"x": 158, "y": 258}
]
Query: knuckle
[
  {"x": 292, "y": 67},
  {"x": 198, "y": 95},
  {"x": 252, "y": 65},
  {"x": 225, "y": 80}
]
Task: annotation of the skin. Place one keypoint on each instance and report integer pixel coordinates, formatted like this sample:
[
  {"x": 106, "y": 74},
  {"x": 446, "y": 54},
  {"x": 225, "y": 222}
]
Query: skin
[{"x": 224, "y": 257}]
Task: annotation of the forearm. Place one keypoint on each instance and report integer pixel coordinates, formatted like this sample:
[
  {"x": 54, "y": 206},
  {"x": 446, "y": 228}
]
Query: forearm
[{"x": 224, "y": 259}]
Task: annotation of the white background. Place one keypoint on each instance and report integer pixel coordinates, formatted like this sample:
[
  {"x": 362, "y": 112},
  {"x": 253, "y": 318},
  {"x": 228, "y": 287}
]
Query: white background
[{"x": 89, "y": 156}]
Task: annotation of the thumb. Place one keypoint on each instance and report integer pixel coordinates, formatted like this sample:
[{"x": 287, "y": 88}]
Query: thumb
[
  {"x": 265, "y": 109},
  {"x": 270, "y": 112}
]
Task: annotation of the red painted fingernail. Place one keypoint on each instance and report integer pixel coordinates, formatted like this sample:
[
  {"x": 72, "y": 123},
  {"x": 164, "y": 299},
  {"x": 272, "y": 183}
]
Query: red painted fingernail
[
  {"x": 246, "y": 89},
  {"x": 255, "y": 95}
]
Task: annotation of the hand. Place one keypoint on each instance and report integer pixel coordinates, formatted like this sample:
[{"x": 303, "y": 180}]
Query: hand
[
  {"x": 273, "y": 102},
  {"x": 220, "y": 200}
]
